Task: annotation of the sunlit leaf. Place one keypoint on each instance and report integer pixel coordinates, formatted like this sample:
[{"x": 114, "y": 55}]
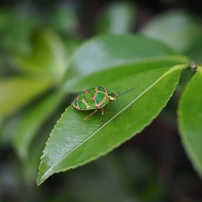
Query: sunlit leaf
[
  {"x": 15, "y": 92},
  {"x": 112, "y": 50}
]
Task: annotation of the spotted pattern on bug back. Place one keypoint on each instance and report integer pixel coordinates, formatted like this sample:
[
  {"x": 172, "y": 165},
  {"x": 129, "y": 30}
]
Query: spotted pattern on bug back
[
  {"x": 93, "y": 98},
  {"x": 101, "y": 88},
  {"x": 101, "y": 99}
]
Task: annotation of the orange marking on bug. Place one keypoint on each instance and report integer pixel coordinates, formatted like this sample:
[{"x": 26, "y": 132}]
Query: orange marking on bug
[
  {"x": 92, "y": 98},
  {"x": 84, "y": 102},
  {"x": 86, "y": 92},
  {"x": 104, "y": 99}
]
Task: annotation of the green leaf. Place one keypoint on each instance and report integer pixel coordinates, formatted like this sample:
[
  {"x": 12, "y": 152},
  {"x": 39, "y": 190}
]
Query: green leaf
[
  {"x": 16, "y": 92},
  {"x": 74, "y": 142},
  {"x": 177, "y": 28},
  {"x": 32, "y": 121},
  {"x": 112, "y": 50},
  {"x": 117, "y": 73},
  {"x": 48, "y": 57},
  {"x": 190, "y": 120}
]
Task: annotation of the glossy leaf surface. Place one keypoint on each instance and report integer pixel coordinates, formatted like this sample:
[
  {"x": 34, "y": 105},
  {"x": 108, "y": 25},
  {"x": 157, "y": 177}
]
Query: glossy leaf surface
[
  {"x": 113, "y": 50},
  {"x": 74, "y": 142}
]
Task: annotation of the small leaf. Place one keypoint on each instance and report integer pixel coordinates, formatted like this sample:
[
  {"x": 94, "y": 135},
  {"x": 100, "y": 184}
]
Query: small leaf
[
  {"x": 190, "y": 120},
  {"x": 74, "y": 142},
  {"x": 16, "y": 92}
]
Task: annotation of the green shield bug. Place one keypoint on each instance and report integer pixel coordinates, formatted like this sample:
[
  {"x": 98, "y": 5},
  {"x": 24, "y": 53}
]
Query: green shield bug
[{"x": 95, "y": 98}]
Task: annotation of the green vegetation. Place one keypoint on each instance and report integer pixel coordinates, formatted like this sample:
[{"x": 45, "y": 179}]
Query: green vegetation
[{"x": 45, "y": 62}]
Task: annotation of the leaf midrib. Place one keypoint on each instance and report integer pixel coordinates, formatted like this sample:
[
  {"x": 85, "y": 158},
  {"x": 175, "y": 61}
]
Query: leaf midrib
[{"x": 145, "y": 91}]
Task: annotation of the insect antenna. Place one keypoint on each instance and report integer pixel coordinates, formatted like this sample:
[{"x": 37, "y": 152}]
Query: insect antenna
[{"x": 119, "y": 94}]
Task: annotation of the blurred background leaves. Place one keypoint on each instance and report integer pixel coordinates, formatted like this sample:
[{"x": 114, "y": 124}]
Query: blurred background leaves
[{"x": 37, "y": 42}]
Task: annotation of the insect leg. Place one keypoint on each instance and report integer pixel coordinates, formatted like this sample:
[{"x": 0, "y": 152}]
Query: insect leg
[
  {"x": 89, "y": 115},
  {"x": 102, "y": 116}
]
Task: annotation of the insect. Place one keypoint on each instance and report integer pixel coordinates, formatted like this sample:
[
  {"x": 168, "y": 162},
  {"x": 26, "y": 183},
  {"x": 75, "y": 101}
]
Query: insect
[{"x": 94, "y": 99}]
